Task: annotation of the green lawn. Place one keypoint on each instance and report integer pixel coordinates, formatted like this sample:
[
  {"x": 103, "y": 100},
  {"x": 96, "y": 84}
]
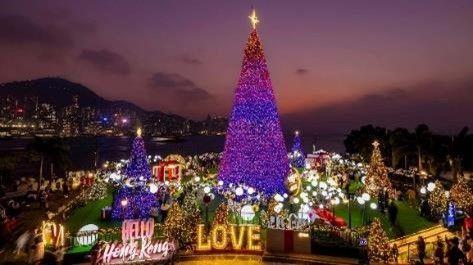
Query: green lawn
[
  {"x": 89, "y": 214},
  {"x": 408, "y": 219}
]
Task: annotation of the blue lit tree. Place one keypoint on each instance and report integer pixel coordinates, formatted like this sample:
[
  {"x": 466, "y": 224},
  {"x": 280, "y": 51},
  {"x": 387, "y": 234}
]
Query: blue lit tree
[
  {"x": 133, "y": 199},
  {"x": 255, "y": 153},
  {"x": 297, "y": 152}
]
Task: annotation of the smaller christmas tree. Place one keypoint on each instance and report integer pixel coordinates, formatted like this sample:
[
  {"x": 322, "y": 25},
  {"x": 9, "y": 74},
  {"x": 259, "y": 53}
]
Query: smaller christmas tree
[
  {"x": 297, "y": 155},
  {"x": 221, "y": 215},
  {"x": 192, "y": 217},
  {"x": 461, "y": 194},
  {"x": 377, "y": 180},
  {"x": 438, "y": 200},
  {"x": 378, "y": 247},
  {"x": 175, "y": 224}
]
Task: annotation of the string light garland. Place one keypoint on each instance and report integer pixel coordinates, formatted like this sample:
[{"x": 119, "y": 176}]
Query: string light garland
[{"x": 254, "y": 152}]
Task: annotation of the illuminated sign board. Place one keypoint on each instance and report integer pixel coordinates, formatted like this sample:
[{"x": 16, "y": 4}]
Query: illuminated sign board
[
  {"x": 231, "y": 237},
  {"x": 292, "y": 222},
  {"x": 137, "y": 245}
]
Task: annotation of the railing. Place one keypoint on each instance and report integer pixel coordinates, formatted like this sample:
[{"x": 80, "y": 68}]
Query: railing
[{"x": 412, "y": 253}]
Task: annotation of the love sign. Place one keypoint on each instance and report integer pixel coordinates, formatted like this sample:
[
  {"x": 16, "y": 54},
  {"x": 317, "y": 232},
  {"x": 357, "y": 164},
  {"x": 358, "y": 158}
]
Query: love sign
[{"x": 231, "y": 237}]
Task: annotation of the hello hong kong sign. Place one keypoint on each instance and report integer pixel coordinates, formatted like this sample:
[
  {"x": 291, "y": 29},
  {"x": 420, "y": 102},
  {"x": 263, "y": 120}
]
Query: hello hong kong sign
[{"x": 137, "y": 245}]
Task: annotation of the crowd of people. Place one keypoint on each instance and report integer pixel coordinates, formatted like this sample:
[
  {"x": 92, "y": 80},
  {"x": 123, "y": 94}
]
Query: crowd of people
[{"x": 453, "y": 251}]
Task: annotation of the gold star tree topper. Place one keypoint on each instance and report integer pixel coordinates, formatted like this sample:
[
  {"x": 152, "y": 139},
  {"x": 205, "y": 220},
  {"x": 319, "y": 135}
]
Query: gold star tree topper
[{"x": 254, "y": 19}]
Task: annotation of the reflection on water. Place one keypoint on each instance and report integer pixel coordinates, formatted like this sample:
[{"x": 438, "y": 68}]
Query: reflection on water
[{"x": 84, "y": 151}]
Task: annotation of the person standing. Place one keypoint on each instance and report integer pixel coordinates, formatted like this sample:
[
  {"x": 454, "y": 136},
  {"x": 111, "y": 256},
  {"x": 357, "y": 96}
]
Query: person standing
[
  {"x": 421, "y": 249},
  {"x": 439, "y": 254},
  {"x": 454, "y": 254}
]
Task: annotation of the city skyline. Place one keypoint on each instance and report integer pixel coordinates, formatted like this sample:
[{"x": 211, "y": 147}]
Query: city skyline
[{"x": 326, "y": 59}]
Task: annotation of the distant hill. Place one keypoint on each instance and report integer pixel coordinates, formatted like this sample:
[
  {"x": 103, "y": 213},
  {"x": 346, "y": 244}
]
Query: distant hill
[{"x": 59, "y": 92}]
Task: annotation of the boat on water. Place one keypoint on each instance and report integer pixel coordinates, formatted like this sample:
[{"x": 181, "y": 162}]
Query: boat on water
[{"x": 167, "y": 139}]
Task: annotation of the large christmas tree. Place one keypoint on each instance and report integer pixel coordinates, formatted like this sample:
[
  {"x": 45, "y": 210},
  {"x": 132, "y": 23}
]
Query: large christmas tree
[
  {"x": 255, "y": 153},
  {"x": 297, "y": 153},
  {"x": 377, "y": 180},
  {"x": 133, "y": 199}
]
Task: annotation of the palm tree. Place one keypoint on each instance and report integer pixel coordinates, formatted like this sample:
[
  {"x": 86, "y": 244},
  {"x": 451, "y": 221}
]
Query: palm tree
[
  {"x": 423, "y": 140},
  {"x": 401, "y": 141},
  {"x": 53, "y": 150},
  {"x": 457, "y": 152}
]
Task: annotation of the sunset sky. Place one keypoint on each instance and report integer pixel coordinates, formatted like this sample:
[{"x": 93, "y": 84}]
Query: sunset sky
[{"x": 335, "y": 65}]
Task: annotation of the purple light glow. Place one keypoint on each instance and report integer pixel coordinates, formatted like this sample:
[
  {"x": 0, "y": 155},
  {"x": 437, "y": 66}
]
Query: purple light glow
[
  {"x": 254, "y": 152},
  {"x": 298, "y": 156},
  {"x": 139, "y": 199}
]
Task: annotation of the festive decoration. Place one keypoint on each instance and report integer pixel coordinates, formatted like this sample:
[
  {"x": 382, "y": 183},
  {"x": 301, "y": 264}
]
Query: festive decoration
[
  {"x": 53, "y": 234},
  {"x": 97, "y": 191},
  {"x": 461, "y": 194},
  {"x": 134, "y": 199},
  {"x": 377, "y": 180},
  {"x": 180, "y": 225},
  {"x": 254, "y": 153},
  {"x": 438, "y": 200},
  {"x": 231, "y": 237},
  {"x": 220, "y": 223},
  {"x": 168, "y": 171},
  {"x": 378, "y": 247},
  {"x": 138, "y": 245},
  {"x": 297, "y": 155},
  {"x": 87, "y": 235}
]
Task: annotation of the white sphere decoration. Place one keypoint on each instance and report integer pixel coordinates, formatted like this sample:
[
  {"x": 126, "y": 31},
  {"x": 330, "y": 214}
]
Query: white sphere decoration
[
  {"x": 360, "y": 200},
  {"x": 336, "y": 201},
  {"x": 197, "y": 179},
  {"x": 430, "y": 186},
  {"x": 296, "y": 200},
  {"x": 323, "y": 185},
  {"x": 314, "y": 183},
  {"x": 206, "y": 189},
  {"x": 88, "y": 237},
  {"x": 278, "y": 207},
  {"x": 314, "y": 193},
  {"x": 239, "y": 191},
  {"x": 153, "y": 188},
  {"x": 304, "y": 211},
  {"x": 114, "y": 176},
  {"x": 124, "y": 202},
  {"x": 366, "y": 196},
  {"x": 251, "y": 190},
  {"x": 423, "y": 190},
  {"x": 285, "y": 195},
  {"x": 278, "y": 198},
  {"x": 247, "y": 213},
  {"x": 373, "y": 206},
  {"x": 220, "y": 183}
]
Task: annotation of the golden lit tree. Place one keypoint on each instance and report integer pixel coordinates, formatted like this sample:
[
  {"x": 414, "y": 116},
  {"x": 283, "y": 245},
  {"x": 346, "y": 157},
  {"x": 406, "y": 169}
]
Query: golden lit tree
[
  {"x": 221, "y": 215},
  {"x": 378, "y": 248},
  {"x": 377, "y": 174},
  {"x": 462, "y": 195},
  {"x": 175, "y": 224},
  {"x": 191, "y": 215},
  {"x": 438, "y": 199}
]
